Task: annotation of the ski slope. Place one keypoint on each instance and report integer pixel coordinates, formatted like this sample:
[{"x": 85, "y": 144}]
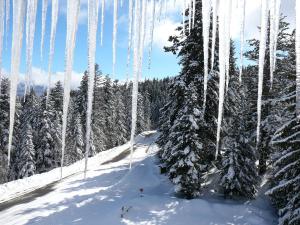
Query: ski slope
[{"x": 111, "y": 195}]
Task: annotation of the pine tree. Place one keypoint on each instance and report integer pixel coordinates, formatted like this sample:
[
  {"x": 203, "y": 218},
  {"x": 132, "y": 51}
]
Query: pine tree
[{"x": 26, "y": 158}]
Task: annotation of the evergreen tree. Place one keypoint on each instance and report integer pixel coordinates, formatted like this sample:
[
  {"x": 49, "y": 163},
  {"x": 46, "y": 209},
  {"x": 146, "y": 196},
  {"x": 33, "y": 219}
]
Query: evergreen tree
[{"x": 26, "y": 158}]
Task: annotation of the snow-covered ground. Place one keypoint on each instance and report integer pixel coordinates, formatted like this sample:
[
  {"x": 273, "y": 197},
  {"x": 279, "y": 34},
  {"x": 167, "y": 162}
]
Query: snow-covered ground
[{"x": 111, "y": 195}]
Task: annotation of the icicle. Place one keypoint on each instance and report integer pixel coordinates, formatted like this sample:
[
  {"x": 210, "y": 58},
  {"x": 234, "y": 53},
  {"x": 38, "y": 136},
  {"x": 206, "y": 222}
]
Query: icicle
[
  {"x": 92, "y": 34},
  {"x": 298, "y": 58},
  {"x": 137, "y": 68},
  {"x": 190, "y": 15},
  {"x": 183, "y": 17},
  {"x": 130, "y": 15},
  {"x": 151, "y": 33},
  {"x": 102, "y": 20},
  {"x": 54, "y": 17},
  {"x": 223, "y": 12},
  {"x": 228, "y": 36},
  {"x": 160, "y": 9},
  {"x": 121, "y": 3},
  {"x": 7, "y": 12},
  {"x": 30, "y": 31},
  {"x": 72, "y": 19},
  {"x": 17, "y": 36},
  {"x": 214, "y": 31},
  {"x": 277, "y": 20},
  {"x": 2, "y": 13},
  {"x": 272, "y": 39},
  {"x": 242, "y": 37},
  {"x": 115, "y": 30},
  {"x": 44, "y": 16},
  {"x": 206, "y": 5},
  {"x": 262, "y": 52},
  {"x": 194, "y": 13}
]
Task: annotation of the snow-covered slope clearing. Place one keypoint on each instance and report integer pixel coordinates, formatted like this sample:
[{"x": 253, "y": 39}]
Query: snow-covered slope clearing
[{"x": 113, "y": 194}]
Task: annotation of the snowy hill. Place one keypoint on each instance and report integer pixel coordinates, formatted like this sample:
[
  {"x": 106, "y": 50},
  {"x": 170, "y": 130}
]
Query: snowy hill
[{"x": 111, "y": 194}]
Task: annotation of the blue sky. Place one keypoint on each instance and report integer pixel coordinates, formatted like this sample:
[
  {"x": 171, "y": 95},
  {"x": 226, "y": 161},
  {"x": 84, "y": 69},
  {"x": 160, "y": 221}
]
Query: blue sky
[{"x": 163, "y": 64}]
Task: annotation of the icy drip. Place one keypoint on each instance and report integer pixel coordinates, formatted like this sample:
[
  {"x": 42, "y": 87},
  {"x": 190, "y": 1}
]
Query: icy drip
[
  {"x": 54, "y": 17},
  {"x": 114, "y": 42},
  {"x": 7, "y": 12},
  {"x": 262, "y": 52},
  {"x": 92, "y": 34},
  {"x": 242, "y": 37},
  {"x": 72, "y": 19},
  {"x": 130, "y": 15},
  {"x": 151, "y": 33},
  {"x": 272, "y": 39},
  {"x": 190, "y": 15},
  {"x": 160, "y": 9},
  {"x": 194, "y": 13},
  {"x": 183, "y": 17},
  {"x": 44, "y": 15},
  {"x": 228, "y": 36},
  {"x": 223, "y": 12},
  {"x": 2, "y": 13},
  {"x": 102, "y": 20},
  {"x": 30, "y": 31},
  {"x": 136, "y": 69},
  {"x": 206, "y": 23},
  {"x": 277, "y": 20},
  {"x": 298, "y": 58},
  {"x": 214, "y": 31},
  {"x": 17, "y": 36}
]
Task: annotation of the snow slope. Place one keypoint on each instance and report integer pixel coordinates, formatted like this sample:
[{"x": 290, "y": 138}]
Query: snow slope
[{"x": 111, "y": 187}]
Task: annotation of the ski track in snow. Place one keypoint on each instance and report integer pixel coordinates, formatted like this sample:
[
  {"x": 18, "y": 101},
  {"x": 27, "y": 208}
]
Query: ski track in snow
[{"x": 99, "y": 199}]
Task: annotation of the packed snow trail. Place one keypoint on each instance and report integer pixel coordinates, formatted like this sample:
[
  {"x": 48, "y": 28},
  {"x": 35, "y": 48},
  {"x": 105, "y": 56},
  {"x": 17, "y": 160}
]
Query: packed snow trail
[
  {"x": 92, "y": 37},
  {"x": 30, "y": 31},
  {"x": 242, "y": 36},
  {"x": 206, "y": 7},
  {"x": 54, "y": 17},
  {"x": 262, "y": 53},
  {"x": 2, "y": 14},
  {"x": 112, "y": 187},
  {"x": 72, "y": 19},
  {"x": 298, "y": 58},
  {"x": 17, "y": 37},
  {"x": 44, "y": 17}
]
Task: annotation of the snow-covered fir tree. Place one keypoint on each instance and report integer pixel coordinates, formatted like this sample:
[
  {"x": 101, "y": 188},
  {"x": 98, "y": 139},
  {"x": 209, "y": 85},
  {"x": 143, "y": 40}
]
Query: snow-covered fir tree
[{"x": 26, "y": 153}]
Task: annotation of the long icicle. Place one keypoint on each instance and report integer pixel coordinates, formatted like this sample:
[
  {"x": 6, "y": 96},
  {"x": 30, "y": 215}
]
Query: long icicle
[
  {"x": 194, "y": 13},
  {"x": 17, "y": 36},
  {"x": 242, "y": 37},
  {"x": 277, "y": 21},
  {"x": 262, "y": 53},
  {"x": 54, "y": 17},
  {"x": 206, "y": 6},
  {"x": 72, "y": 19},
  {"x": 92, "y": 37},
  {"x": 190, "y": 15},
  {"x": 102, "y": 21},
  {"x": 298, "y": 58},
  {"x": 151, "y": 33},
  {"x": 272, "y": 39},
  {"x": 2, "y": 14},
  {"x": 130, "y": 15},
  {"x": 228, "y": 40},
  {"x": 183, "y": 17},
  {"x": 136, "y": 58},
  {"x": 7, "y": 15},
  {"x": 114, "y": 42},
  {"x": 223, "y": 11},
  {"x": 30, "y": 31},
  {"x": 44, "y": 16},
  {"x": 214, "y": 32}
]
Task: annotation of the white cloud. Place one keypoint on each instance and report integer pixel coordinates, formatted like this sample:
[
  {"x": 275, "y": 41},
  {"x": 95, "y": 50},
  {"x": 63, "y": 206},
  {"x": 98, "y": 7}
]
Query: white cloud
[{"x": 40, "y": 77}]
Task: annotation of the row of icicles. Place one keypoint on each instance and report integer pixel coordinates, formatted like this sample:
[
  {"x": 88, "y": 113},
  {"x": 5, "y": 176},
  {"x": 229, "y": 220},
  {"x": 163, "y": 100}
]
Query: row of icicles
[{"x": 142, "y": 15}]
